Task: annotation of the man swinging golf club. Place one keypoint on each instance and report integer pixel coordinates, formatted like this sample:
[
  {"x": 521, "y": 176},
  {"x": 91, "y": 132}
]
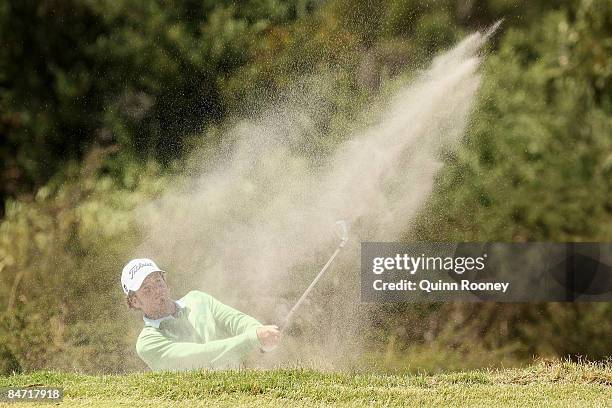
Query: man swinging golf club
[{"x": 196, "y": 331}]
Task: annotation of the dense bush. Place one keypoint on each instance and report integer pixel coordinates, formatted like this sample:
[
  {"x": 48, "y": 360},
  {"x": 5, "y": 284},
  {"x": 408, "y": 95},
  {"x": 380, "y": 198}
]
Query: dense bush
[
  {"x": 61, "y": 306},
  {"x": 536, "y": 165},
  {"x": 143, "y": 76}
]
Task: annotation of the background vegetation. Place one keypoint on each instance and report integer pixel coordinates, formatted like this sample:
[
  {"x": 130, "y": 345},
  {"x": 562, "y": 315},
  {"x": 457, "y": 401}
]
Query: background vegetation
[{"x": 100, "y": 101}]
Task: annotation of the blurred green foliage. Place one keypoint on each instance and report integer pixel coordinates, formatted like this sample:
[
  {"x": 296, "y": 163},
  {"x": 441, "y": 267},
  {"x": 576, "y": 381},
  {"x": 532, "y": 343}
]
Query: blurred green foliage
[
  {"x": 99, "y": 98},
  {"x": 58, "y": 271},
  {"x": 537, "y": 162},
  {"x": 536, "y": 165},
  {"x": 143, "y": 76}
]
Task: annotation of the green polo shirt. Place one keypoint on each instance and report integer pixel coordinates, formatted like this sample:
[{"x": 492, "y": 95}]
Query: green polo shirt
[{"x": 206, "y": 334}]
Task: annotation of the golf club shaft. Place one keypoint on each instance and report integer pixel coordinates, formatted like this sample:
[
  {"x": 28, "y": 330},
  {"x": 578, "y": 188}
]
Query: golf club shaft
[{"x": 312, "y": 285}]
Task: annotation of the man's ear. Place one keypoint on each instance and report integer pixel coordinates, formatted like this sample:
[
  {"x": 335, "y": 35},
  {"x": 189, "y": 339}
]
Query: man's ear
[{"x": 134, "y": 302}]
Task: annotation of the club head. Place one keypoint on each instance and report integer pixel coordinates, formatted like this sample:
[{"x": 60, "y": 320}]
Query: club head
[{"x": 342, "y": 231}]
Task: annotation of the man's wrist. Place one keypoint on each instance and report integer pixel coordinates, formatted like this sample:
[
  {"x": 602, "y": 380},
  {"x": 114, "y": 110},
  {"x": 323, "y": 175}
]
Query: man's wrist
[{"x": 253, "y": 337}]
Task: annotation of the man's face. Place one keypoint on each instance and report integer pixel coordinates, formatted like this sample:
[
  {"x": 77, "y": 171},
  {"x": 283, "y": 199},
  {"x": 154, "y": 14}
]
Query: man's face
[{"x": 153, "y": 294}]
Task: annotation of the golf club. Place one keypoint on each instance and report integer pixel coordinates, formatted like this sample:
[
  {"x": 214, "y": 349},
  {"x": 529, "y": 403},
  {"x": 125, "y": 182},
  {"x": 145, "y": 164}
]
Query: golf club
[{"x": 342, "y": 232}]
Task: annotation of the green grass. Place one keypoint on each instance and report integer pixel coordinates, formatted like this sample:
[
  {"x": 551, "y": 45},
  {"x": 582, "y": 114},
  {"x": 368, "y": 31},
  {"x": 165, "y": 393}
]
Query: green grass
[{"x": 550, "y": 384}]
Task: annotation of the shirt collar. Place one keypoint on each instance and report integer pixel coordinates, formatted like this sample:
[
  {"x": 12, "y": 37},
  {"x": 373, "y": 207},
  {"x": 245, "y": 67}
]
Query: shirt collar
[{"x": 155, "y": 323}]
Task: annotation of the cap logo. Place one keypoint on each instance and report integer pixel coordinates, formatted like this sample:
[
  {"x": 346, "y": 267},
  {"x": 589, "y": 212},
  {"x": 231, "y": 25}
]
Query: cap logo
[{"x": 137, "y": 267}]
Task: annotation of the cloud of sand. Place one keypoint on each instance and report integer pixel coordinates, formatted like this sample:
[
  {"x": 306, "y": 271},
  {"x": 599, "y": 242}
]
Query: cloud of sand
[{"x": 255, "y": 227}]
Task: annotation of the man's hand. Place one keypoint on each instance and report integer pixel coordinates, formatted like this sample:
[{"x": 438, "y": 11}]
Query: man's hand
[{"x": 269, "y": 337}]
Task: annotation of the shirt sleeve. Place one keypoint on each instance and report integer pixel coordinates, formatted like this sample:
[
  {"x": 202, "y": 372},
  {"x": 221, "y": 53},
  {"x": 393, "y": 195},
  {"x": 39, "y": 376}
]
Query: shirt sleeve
[
  {"x": 232, "y": 320},
  {"x": 160, "y": 353}
]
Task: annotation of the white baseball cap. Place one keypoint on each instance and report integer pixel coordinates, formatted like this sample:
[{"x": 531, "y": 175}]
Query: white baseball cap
[{"x": 135, "y": 272}]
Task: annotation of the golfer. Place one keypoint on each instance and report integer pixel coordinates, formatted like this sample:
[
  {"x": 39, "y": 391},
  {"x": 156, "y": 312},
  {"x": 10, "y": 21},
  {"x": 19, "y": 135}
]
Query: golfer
[{"x": 196, "y": 331}]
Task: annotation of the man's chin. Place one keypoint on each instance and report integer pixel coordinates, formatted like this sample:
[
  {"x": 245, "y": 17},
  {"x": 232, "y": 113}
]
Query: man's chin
[{"x": 162, "y": 305}]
